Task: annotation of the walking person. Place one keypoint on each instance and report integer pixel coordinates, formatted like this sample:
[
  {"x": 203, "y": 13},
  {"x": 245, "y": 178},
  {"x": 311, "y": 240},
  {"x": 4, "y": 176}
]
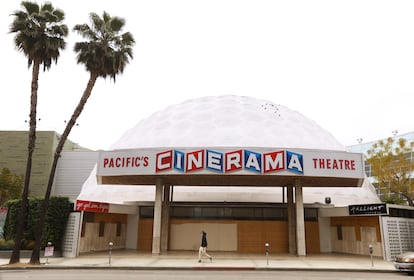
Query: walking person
[{"x": 203, "y": 247}]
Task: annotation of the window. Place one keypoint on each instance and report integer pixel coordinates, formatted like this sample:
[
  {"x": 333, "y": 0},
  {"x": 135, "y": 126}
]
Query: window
[
  {"x": 311, "y": 214},
  {"x": 146, "y": 212},
  {"x": 400, "y": 212},
  {"x": 101, "y": 229},
  {"x": 235, "y": 212},
  {"x": 339, "y": 232},
  {"x": 83, "y": 230},
  {"x": 118, "y": 229}
]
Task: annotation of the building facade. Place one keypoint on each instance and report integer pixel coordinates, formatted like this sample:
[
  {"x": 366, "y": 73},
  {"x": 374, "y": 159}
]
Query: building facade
[
  {"x": 241, "y": 213},
  {"x": 13, "y": 155},
  {"x": 294, "y": 212}
]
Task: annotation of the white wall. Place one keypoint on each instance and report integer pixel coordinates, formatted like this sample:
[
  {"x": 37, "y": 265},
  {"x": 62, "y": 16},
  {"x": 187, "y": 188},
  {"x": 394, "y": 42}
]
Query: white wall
[
  {"x": 132, "y": 232},
  {"x": 325, "y": 235},
  {"x": 72, "y": 171}
]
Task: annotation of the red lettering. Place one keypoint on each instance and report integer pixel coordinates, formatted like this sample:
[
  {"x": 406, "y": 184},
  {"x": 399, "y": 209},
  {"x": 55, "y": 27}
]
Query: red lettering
[
  {"x": 321, "y": 163},
  {"x": 335, "y": 164},
  {"x": 338, "y": 164},
  {"x": 164, "y": 161},
  {"x": 350, "y": 164},
  {"x": 126, "y": 162}
]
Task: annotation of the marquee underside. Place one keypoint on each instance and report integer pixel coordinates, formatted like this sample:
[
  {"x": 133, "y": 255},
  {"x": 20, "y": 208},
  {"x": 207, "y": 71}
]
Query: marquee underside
[{"x": 230, "y": 180}]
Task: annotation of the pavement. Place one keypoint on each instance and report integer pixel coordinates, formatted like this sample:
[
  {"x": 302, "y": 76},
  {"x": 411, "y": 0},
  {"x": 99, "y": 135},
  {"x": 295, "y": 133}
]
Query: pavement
[{"x": 131, "y": 259}]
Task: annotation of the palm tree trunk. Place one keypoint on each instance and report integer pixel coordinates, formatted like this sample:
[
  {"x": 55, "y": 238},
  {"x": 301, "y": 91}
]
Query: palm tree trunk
[
  {"x": 15, "y": 257},
  {"x": 35, "y": 257}
]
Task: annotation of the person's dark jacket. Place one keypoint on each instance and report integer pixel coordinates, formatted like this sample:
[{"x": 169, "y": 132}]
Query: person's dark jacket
[{"x": 204, "y": 240}]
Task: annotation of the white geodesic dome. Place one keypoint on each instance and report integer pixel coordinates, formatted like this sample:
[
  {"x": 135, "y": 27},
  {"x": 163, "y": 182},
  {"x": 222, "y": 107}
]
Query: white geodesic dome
[{"x": 227, "y": 121}]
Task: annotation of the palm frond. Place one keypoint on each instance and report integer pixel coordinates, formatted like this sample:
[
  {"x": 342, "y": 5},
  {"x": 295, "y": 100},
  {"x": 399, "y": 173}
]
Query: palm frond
[
  {"x": 40, "y": 33},
  {"x": 106, "y": 52}
]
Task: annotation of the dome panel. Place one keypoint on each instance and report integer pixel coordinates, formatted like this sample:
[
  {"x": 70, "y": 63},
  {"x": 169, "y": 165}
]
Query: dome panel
[{"x": 229, "y": 120}]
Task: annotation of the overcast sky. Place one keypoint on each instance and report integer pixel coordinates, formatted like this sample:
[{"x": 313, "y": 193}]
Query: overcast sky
[{"x": 348, "y": 65}]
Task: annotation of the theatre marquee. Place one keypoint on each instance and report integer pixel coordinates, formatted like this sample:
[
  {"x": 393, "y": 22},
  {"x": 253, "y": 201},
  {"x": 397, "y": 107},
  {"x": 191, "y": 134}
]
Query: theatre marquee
[{"x": 230, "y": 162}]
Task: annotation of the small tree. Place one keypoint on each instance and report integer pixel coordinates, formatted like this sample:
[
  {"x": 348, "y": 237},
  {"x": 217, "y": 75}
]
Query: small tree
[
  {"x": 11, "y": 186},
  {"x": 392, "y": 167}
]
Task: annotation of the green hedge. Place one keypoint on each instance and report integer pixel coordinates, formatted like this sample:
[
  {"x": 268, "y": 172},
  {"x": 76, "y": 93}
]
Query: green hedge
[{"x": 57, "y": 216}]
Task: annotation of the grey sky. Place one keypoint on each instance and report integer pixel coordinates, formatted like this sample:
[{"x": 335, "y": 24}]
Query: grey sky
[{"x": 348, "y": 65}]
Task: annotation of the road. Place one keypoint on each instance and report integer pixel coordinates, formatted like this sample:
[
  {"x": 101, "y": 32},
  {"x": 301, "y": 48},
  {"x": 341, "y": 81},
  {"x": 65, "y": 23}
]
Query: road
[{"x": 91, "y": 274}]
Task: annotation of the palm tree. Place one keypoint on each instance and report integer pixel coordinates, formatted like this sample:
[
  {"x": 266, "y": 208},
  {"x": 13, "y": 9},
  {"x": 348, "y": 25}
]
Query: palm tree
[
  {"x": 40, "y": 37},
  {"x": 105, "y": 53}
]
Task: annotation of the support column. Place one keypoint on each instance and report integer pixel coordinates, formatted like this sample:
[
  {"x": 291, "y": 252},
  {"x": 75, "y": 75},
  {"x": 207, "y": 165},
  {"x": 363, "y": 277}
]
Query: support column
[
  {"x": 156, "y": 235},
  {"x": 165, "y": 220},
  {"x": 300, "y": 220},
  {"x": 291, "y": 220}
]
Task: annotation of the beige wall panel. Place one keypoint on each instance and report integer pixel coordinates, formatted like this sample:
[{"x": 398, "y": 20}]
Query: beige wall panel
[
  {"x": 93, "y": 242},
  {"x": 350, "y": 245},
  {"x": 254, "y": 234},
  {"x": 240, "y": 236},
  {"x": 348, "y": 233},
  {"x": 312, "y": 238},
  {"x": 369, "y": 237},
  {"x": 220, "y": 236},
  {"x": 145, "y": 227}
]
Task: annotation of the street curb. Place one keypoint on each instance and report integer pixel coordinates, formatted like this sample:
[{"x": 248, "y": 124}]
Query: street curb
[{"x": 217, "y": 268}]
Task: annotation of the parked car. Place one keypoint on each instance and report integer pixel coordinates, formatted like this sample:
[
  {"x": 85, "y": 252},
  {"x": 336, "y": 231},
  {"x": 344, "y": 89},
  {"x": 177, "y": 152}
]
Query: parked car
[{"x": 405, "y": 262}]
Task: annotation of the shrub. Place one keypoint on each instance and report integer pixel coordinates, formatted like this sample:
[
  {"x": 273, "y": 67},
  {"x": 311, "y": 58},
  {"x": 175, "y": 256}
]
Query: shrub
[
  {"x": 6, "y": 244},
  {"x": 57, "y": 216}
]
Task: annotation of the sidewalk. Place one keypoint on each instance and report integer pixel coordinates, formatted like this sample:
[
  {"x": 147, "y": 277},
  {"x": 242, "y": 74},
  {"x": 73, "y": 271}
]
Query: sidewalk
[{"x": 130, "y": 259}]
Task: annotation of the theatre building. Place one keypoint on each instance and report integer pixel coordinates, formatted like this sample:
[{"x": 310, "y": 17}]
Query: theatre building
[{"x": 244, "y": 170}]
